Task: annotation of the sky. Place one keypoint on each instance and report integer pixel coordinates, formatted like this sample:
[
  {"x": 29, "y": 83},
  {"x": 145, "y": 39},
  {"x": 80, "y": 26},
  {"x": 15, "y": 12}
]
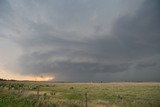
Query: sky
[{"x": 80, "y": 40}]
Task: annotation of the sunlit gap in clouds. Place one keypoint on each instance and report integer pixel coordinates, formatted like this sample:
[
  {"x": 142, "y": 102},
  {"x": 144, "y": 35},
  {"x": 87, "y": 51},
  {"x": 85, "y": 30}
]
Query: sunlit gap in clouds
[{"x": 5, "y": 74}]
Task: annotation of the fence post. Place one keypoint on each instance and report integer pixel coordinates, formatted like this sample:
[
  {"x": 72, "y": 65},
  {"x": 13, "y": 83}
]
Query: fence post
[
  {"x": 85, "y": 95},
  {"x": 38, "y": 92}
]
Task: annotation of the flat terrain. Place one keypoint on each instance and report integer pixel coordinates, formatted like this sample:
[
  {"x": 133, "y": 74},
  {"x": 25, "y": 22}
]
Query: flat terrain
[{"x": 48, "y": 94}]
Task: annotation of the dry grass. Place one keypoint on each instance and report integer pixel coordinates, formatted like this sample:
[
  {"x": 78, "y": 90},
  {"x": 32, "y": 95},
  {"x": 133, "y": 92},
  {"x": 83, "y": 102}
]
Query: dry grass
[{"x": 115, "y": 94}]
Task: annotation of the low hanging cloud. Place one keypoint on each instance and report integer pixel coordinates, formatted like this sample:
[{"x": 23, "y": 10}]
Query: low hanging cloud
[{"x": 85, "y": 40}]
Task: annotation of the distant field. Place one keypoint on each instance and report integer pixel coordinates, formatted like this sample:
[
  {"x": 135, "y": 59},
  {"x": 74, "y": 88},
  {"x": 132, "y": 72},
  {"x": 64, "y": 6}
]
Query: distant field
[{"x": 48, "y": 94}]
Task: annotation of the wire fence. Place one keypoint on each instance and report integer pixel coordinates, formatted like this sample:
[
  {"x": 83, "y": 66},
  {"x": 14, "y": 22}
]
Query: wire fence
[{"x": 84, "y": 97}]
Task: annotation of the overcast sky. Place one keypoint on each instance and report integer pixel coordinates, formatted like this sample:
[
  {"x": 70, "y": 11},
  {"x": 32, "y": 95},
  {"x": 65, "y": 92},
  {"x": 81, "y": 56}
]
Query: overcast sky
[{"x": 80, "y": 40}]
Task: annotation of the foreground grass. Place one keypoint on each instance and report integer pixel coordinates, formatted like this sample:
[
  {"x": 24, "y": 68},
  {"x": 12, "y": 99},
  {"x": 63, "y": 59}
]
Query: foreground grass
[{"x": 24, "y": 94}]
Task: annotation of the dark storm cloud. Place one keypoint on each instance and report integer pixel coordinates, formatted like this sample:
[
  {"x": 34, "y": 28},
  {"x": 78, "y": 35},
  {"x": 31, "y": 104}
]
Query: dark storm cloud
[
  {"x": 140, "y": 32},
  {"x": 86, "y": 40},
  {"x": 5, "y": 7}
]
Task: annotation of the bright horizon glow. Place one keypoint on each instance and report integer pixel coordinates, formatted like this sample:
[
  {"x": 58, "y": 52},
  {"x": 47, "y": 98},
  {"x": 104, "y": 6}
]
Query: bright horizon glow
[{"x": 5, "y": 74}]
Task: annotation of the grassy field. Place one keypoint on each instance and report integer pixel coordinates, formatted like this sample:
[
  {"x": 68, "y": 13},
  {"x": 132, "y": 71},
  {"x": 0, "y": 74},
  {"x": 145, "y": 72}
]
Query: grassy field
[{"x": 48, "y": 94}]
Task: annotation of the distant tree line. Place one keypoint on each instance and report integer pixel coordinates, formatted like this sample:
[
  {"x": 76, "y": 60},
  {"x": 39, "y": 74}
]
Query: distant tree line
[{"x": 1, "y": 79}]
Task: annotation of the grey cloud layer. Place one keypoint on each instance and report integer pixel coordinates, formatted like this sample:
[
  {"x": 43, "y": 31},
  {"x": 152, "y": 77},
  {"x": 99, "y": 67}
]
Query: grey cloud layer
[{"x": 85, "y": 40}]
